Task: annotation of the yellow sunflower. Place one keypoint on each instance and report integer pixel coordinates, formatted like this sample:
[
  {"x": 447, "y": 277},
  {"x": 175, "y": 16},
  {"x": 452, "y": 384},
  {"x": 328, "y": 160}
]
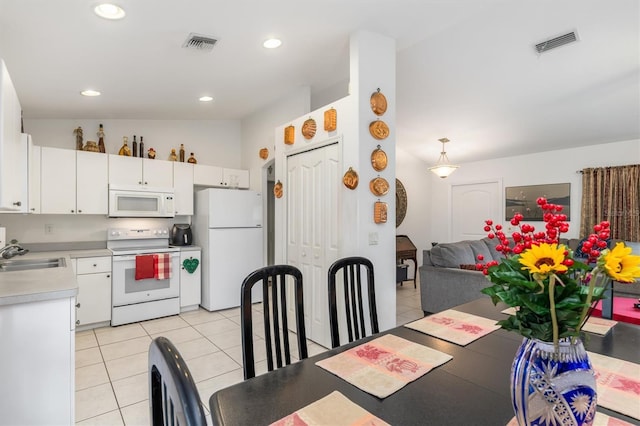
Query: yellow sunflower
[
  {"x": 544, "y": 259},
  {"x": 620, "y": 265}
]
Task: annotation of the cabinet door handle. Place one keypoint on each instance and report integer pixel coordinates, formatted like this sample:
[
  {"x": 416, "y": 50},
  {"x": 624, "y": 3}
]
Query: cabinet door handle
[
  {"x": 72, "y": 211},
  {"x": 139, "y": 182},
  {"x": 79, "y": 211},
  {"x": 77, "y": 305},
  {"x": 77, "y": 322},
  {"x": 146, "y": 183},
  {"x": 33, "y": 209},
  {"x": 108, "y": 276},
  {"x": 17, "y": 203}
]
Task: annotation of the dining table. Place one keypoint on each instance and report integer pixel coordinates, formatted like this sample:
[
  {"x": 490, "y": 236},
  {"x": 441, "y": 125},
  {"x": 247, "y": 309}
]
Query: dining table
[{"x": 473, "y": 388}]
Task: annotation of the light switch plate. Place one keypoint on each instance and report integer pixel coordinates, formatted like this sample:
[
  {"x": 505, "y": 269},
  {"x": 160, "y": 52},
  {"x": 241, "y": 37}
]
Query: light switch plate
[{"x": 373, "y": 238}]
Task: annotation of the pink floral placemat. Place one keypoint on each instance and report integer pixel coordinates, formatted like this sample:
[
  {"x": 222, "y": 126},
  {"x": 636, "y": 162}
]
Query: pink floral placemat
[
  {"x": 454, "y": 326},
  {"x": 618, "y": 384},
  {"x": 599, "y": 326},
  {"x": 593, "y": 325},
  {"x": 334, "y": 409},
  {"x": 384, "y": 365},
  {"x": 601, "y": 419}
]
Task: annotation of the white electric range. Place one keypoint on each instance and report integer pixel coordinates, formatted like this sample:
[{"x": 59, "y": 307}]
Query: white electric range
[{"x": 143, "y": 299}]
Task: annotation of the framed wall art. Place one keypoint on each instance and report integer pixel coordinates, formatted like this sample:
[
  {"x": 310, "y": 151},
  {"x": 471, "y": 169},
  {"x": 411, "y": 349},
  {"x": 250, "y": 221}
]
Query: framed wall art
[{"x": 522, "y": 199}]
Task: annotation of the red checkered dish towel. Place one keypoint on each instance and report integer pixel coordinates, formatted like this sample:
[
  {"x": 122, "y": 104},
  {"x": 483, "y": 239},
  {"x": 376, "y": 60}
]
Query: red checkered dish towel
[{"x": 162, "y": 266}]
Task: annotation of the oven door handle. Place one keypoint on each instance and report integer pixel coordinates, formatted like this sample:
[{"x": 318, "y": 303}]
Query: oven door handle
[{"x": 128, "y": 258}]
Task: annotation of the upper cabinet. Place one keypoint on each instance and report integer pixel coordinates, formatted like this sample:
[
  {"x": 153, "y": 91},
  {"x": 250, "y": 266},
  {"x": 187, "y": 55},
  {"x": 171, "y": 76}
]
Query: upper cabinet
[
  {"x": 220, "y": 177},
  {"x": 183, "y": 188},
  {"x": 125, "y": 170},
  {"x": 13, "y": 148},
  {"x": 73, "y": 182}
]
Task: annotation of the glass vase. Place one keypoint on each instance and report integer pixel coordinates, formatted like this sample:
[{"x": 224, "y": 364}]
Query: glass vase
[{"x": 552, "y": 386}]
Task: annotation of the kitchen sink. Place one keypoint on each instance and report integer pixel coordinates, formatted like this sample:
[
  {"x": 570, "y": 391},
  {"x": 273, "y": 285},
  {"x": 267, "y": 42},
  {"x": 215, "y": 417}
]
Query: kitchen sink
[{"x": 12, "y": 265}]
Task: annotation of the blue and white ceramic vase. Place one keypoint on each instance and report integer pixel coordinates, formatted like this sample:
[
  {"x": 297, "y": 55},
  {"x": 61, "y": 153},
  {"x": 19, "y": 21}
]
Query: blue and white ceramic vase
[{"x": 553, "y": 387}]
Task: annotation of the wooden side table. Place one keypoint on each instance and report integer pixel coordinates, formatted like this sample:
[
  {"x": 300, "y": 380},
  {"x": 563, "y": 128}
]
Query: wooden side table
[{"x": 406, "y": 250}]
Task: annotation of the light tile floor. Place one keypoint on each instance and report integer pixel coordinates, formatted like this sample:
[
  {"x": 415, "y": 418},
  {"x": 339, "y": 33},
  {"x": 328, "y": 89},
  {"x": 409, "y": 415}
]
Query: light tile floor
[{"x": 111, "y": 362}]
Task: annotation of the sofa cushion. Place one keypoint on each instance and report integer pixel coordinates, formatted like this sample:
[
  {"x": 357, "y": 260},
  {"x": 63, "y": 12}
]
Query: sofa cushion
[
  {"x": 451, "y": 255},
  {"x": 480, "y": 247}
]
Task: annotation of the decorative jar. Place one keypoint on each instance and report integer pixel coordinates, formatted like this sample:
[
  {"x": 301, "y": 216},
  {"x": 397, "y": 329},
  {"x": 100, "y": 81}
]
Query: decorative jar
[{"x": 553, "y": 385}]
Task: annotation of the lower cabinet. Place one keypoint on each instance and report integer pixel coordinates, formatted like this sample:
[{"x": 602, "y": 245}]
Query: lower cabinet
[
  {"x": 38, "y": 363},
  {"x": 190, "y": 282},
  {"x": 93, "y": 303}
]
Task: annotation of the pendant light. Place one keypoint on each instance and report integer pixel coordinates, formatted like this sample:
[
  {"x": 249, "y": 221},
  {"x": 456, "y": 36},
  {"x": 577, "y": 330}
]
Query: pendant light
[{"x": 443, "y": 167}]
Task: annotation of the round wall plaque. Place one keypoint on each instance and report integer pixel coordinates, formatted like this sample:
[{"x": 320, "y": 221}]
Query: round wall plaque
[
  {"x": 379, "y": 186},
  {"x": 309, "y": 128},
  {"x": 379, "y": 129},
  {"x": 378, "y": 103},
  {"x": 378, "y": 159}
]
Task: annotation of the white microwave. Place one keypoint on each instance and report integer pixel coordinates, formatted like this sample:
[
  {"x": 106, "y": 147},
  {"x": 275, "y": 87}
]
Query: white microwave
[{"x": 139, "y": 201}]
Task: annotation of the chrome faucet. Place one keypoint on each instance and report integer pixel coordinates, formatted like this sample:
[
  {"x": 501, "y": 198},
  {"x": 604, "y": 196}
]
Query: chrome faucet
[{"x": 11, "y": 250}]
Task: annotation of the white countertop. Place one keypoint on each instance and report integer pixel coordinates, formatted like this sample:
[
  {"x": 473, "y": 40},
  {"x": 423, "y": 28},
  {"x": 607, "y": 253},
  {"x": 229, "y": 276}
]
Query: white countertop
[{"x": 43, "y": 284}]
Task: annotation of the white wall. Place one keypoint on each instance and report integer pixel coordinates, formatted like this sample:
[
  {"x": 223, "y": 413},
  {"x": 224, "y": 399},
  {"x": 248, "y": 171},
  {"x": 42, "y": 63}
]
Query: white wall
[
  {"x": 430, "y": 221},
  {"x": 257, "y": 132},
  {"x": 213, "y": 142}
]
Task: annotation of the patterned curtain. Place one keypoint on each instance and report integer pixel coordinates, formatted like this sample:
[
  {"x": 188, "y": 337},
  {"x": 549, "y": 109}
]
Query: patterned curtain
[{"x": 613, "y": 194}]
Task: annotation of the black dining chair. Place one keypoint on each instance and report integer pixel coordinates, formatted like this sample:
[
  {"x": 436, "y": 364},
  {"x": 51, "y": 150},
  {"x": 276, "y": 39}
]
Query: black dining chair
[
  {"x": 352, "y": 283},
  {"x": 173, "y": 396},
  {"x": 275, "y": 280}
]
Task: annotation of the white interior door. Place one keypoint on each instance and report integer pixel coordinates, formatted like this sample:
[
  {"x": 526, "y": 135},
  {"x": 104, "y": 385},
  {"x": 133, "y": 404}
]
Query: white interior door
[
  {"x": 312, "y": 235},
  {"x": 471, "y": 205}
]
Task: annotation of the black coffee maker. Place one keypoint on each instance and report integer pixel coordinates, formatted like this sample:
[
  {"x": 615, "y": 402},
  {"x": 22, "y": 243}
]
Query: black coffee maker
[{"x": 181, "y": 235}]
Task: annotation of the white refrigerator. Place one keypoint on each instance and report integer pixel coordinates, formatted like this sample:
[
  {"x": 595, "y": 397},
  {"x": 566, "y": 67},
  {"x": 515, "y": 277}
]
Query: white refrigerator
[{"x": 228, "y": 227}]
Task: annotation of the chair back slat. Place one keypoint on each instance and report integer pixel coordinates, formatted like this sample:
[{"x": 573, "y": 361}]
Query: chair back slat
[
  {"x": 353, "y": 284},
  {"x": 173, "y": 396},
  {"x": 275, "y": 281}
]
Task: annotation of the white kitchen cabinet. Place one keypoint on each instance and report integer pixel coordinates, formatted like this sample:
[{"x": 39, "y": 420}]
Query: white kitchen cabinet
[
  {"x": 190, "y": 282},
  {"x": 38, "y": 363},
  {"x": 13, "y": 149},
  {"x": 183, "y": 188},
  {"x": 57, "y": 181},
  {"x": 220, "y": 177},
  {"x": 93, "y": 302},
  {"x": 133, "y": 171},
  {"x": 34, "y": 177},
  {"x": 157, "y": 173},
  {"x": 206, "y": 175},
  {"x": 125, "y": 170},
  {"x": 92, "y": 188},
  {"x": 235, "y": 178},
  {"x": 73, "y": 182}
]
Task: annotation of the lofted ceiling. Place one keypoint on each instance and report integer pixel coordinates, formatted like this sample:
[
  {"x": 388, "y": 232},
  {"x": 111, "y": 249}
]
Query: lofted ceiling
[{"x": 466, "y": 69}]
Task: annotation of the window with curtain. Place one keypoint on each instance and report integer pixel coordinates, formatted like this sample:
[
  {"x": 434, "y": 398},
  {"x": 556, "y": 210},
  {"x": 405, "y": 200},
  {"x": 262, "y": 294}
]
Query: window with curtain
[{"x": 613, "y": 194}]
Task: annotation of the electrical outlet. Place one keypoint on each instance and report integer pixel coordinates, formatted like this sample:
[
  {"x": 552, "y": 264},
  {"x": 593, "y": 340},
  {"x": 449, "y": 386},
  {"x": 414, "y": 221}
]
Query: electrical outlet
[{"x": 48, "y": 229}]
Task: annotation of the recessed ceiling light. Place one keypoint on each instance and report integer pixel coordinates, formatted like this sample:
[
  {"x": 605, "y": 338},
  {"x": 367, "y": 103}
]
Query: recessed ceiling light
[
  {"x": 272, "y": 43},
  {"x": 90, "y": 93},
  {"x": 206, "y": 99},
  {"x": 109, "y": 11}
]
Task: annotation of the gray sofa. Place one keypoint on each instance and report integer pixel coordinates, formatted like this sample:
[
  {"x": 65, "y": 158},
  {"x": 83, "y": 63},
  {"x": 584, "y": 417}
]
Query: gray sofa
[{"x": 444, "y": 283}]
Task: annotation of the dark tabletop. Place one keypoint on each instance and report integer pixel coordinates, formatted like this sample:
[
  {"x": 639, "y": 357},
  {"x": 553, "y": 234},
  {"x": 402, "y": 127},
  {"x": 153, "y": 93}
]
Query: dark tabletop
[{"x": 471, "y": 389}]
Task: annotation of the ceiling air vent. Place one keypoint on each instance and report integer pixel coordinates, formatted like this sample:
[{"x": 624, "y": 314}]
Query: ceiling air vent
[
  {"x": 199, "y": 42},
  {"x": 556, "y": 42}
]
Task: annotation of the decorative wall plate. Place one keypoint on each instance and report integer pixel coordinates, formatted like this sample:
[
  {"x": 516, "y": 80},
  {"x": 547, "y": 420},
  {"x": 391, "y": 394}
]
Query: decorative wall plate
[
  {"x": 380, "y": 212},
  {"x": 264, "y": 153},
  {"x": 277, "y": 189},
  {"x": 378, "y": 103},
  {"x": 379, "y": 186},
  {"x": 350, "y": 179},
  {"x": 309, "y": 128},
  {"x": 401, "y": 202},
  {"x": 378, "y": 159},
  {"x": 379, "y": 129},
  {"x": 289, "y": 135},
  {"x": 330, "y": 120}
]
